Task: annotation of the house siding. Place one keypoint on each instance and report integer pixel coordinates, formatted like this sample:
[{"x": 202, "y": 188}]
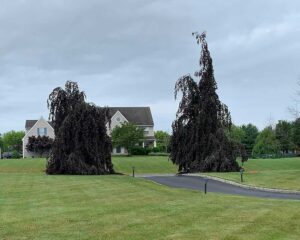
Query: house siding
[
  {"x": 34, "y": 132},
  {"x": 148, "y": 131},
  {"x": 117, "y": 120}
]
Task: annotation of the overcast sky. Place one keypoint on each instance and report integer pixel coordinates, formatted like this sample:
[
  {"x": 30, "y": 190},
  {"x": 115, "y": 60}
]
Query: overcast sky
[{"x": 130, "y": 53}]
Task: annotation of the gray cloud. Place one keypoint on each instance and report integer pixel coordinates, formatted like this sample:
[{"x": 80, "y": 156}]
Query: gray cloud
[{"x": 130, "y": 53}]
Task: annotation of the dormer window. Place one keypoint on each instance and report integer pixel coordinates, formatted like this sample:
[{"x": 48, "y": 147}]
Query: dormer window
[{"x": 42, "y": 132}]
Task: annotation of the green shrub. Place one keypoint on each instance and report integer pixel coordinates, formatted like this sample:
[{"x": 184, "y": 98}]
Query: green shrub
[
  {"x": 155, "y": 149},
  {"x": 139, "y": 150},
  {"x": 158, "y": 149},
  {"x": 15, "y": 154}
]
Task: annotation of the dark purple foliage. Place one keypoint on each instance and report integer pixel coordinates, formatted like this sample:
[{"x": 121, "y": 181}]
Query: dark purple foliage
[
  {"x": 40, "y": 144},
  {"x": 81, "y": 144},
  {"x": 199, "y": 142}
]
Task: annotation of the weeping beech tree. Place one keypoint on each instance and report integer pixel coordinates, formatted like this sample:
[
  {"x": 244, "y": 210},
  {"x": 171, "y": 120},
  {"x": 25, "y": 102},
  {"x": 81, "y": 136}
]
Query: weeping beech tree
[
  {"x": 81, "y": 144},
  {"x": 199, "y": 142}
]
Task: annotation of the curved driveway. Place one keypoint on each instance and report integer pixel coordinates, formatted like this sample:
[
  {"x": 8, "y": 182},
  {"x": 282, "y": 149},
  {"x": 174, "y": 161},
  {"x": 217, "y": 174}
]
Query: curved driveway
[{"x": 197, "y": 183}]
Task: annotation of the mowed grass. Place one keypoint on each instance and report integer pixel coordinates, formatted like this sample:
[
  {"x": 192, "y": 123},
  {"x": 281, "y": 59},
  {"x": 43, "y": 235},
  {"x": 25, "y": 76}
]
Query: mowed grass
[
  {"x": 34, "y": 205},
  {"x": 122, "y": 164},
  {"x": 144, "y": 164},
  {"x": 281, "y": 173}
]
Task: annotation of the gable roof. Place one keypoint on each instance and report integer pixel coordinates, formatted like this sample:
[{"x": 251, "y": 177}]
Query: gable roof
[
  {"x": 30, "y": 123},
  {"x": 135, "y": 115}
]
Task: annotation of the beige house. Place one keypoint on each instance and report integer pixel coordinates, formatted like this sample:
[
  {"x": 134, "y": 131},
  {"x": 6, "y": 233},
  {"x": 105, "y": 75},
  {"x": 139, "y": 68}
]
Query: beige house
[
  {"x": 36, "y": 128},
  {"x": 139, "y": 116}
]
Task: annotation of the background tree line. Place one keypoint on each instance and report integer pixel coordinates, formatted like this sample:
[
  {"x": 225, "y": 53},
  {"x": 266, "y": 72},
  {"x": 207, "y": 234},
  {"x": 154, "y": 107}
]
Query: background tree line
[
  {"x": 281, "y": 139},
  {"x": 128, "y": 136}
]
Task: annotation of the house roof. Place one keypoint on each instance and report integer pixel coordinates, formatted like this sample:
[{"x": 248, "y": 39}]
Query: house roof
[
  {"x": 135, "y": 115},
  {"x": 29, "y": 124}
]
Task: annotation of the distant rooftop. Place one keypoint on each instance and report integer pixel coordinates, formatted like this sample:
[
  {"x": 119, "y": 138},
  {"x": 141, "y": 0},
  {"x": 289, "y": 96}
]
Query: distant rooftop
[
  {"x": 29, "y": 124},
  {"x": 135, "y": 115}
]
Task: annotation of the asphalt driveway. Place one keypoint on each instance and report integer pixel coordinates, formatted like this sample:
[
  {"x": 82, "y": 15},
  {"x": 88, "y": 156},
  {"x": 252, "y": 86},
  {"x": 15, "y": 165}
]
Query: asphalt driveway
[{"x": 198, "y": 183}]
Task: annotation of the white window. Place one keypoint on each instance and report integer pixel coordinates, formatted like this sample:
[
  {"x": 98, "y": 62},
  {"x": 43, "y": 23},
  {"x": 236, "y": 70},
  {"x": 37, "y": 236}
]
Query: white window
[
  {"x": 146, "y": 130},
  {"x": 42, "y": 132}
]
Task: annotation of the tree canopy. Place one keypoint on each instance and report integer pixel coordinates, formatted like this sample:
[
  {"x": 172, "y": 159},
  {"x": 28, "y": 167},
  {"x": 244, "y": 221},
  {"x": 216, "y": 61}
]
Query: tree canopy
[
  {"x": 199, "y": 142},
  {"x": 162, "y": 140},
  {"x": 250, "y": 134},
  {"x": 236, "y": 133},
  {"x": 266, "y": 143},
  {"x": 296, "y": 133},
  {"x": 284, "y": 136},
  {"x": 127, "y": 135},
  {"x": 1, "y": 142},
  {"x": 81, "y": 144},
  {"x": 12, "y": 141}
]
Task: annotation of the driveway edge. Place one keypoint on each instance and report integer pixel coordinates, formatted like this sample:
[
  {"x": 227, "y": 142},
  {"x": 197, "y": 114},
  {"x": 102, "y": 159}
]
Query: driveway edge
[{"x": 275, "y": 190}]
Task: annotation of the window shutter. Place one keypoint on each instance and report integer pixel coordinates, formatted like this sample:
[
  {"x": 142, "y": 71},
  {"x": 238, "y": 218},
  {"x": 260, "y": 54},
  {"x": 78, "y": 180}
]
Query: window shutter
[
  {"x": 45, "y": 131},
  {"x": 38, "y": 131}
]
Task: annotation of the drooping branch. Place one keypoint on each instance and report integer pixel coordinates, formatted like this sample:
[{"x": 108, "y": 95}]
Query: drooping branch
[
  {"x": 198, "y": 142},
  {"x": 81, "y": 144},
  {"x": 40, "y": 144}
]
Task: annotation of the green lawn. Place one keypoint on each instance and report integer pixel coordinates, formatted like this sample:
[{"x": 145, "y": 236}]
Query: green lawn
[
  {"x": 38, "y": 206},
  {"x": 153, "y": 164},
  {"x": 142, "y": 164},
  {"x": 274, "y": 173}
]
